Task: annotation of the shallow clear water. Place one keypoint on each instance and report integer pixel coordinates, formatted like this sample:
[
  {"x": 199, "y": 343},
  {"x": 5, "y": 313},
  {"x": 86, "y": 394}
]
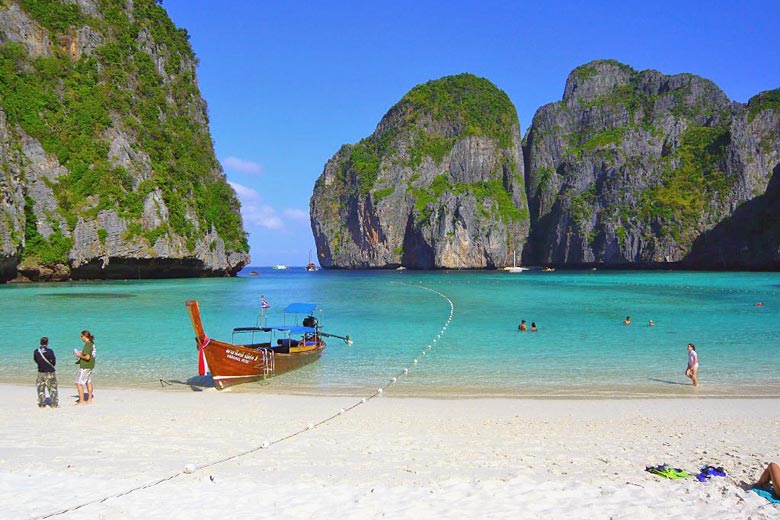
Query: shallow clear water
[{"x": 143, "y": 333}]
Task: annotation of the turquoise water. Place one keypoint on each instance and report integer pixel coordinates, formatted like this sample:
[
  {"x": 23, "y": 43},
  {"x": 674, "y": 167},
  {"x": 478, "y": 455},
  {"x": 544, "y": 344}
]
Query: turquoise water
[{"x": 582, "y": 348}]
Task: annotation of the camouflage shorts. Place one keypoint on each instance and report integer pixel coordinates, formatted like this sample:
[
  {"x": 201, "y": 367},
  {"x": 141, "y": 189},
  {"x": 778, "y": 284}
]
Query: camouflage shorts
[{"x": 47, "y": 380}]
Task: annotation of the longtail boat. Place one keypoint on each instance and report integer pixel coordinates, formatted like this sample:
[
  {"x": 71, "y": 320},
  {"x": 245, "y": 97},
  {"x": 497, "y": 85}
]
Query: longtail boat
[{"x": 233, "y": 363}]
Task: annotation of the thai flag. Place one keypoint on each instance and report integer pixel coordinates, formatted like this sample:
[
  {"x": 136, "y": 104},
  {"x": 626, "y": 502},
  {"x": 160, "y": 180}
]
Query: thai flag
[{"x": 264, "y": 303}]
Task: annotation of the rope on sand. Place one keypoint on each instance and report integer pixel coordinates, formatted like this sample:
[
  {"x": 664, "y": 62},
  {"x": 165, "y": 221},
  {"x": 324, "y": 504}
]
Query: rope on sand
[{"x": 190, "y": 468}]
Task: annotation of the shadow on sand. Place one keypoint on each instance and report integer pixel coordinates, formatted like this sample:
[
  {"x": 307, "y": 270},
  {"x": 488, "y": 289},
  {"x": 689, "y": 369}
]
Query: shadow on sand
[
  {"x": 196, "y": 383},
  {"x": 668, "y": 382}
]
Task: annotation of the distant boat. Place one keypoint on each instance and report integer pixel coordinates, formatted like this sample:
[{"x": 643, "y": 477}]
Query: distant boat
[
  {"x": 548, "y": 269},
  {"x": 515, "y": 268},
  {"x": 279, "y": 267},
  {"x": 310, "y": 266},
  {"x": 252, "y": 273}
]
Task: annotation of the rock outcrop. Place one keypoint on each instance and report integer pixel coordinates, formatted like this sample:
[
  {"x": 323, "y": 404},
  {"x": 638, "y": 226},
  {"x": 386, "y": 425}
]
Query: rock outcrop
[
  {"x": 108, "y": 168},
  {"x": 439, "y": 184},
  {"x": 644, "y": 169}
]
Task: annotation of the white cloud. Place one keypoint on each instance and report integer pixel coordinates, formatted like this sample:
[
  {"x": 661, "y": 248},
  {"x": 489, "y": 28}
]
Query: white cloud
[
  {"x": 241, "y": 166},
  {"x": 296, "y": 214},
  {"x": 244, "y": 193},
  {"x": 254, "y": 211},
  {"x": 258, "y": 214}
]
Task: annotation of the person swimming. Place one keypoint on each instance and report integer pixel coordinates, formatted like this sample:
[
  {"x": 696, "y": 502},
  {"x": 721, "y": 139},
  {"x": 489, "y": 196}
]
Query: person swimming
[
  {"x": 627, "y": 321},
  {"x": 533, "y": 326},
  {"x": 522, "y": 327}
]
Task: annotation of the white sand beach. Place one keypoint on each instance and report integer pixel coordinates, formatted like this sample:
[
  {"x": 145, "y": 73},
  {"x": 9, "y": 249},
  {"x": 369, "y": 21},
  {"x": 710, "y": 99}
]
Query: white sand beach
[{"x": 389, "y": 457}]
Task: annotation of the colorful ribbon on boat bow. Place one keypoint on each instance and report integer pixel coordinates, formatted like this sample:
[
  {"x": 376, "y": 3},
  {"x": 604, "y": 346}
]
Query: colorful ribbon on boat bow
[{"x": 202, "y": 355}]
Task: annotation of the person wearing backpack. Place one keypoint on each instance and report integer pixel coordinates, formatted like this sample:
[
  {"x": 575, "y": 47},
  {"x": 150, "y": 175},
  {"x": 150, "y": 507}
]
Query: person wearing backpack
[{"x": 47, "y": 377}]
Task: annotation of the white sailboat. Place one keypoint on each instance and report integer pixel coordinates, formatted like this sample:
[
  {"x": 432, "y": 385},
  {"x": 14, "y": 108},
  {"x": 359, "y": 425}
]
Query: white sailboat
[
  {"x": 514, "y": 268},
  {"x": 310, "y": 266}
]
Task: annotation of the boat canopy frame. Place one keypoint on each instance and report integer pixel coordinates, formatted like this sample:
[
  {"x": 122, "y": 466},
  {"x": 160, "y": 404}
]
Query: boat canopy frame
[
  {"x": 292, "y": 313},
  {"x": 276, "y": 330}
]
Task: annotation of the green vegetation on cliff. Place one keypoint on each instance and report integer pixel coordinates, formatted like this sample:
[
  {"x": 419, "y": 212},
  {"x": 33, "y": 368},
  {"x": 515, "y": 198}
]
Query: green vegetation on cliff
[
  {"x": 769, "y": 100},
  {"x": 68, "y": 102},
  {"x": 432, "y": 117},
  {"x": 54, "y": 15},
  {"x": 467, "y": 104},
  {"x": 681, "y": 199},
  {"x": 491, "y": 196},
  {"x": 39, "y": 249}
]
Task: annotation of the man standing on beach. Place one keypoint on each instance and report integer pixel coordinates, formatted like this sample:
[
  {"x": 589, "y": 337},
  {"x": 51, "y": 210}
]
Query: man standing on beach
[{"x": 47, "y": 377}]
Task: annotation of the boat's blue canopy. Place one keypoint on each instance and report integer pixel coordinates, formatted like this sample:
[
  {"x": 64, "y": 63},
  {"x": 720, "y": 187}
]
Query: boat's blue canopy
[
  {"x": 300, "y": 308},
  {"x": 297, "y": 329}
]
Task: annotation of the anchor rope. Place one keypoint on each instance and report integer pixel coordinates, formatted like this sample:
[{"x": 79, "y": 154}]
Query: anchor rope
[{"x": 267, "y": 444}]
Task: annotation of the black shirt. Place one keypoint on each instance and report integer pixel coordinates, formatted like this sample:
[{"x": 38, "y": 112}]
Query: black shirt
[{"x": 48, "y": 353}]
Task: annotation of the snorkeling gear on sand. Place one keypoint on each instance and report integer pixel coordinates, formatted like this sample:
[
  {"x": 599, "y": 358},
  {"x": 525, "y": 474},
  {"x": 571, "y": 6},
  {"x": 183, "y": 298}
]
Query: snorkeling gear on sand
[{"x": 667, "y": 471}]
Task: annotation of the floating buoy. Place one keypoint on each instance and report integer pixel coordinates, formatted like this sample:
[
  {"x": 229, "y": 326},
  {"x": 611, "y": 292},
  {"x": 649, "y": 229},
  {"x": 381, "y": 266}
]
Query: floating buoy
[{"x": 760, "y": 304}]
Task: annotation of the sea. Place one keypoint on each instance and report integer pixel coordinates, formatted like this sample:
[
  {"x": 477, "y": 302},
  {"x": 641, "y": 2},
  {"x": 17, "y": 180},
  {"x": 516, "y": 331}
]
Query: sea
[{"x": 448, "y": 334}]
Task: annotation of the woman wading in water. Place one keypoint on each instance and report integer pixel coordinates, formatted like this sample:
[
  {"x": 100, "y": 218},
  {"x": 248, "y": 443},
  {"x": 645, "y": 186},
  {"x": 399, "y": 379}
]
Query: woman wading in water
[{"x": 693, "y": 364}]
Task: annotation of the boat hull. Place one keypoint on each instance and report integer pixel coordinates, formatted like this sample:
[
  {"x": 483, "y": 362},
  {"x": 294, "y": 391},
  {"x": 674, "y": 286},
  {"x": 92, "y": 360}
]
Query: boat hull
[{"x": 234, "y": 364}]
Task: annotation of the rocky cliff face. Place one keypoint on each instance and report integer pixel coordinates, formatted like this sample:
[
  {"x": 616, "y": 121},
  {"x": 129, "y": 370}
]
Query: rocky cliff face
[
  {"x": 439, "y": 184},
  {"x": 108, "y": 169},
  {"x": 637, "y": 168}
]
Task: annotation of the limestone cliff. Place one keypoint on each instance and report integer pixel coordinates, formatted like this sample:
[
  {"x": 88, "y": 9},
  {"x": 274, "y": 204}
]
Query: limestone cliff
[
  {"x": 637, "y": 168},
  {"x": 439, "y": 184},
  {"x": 108, "y": 168}
]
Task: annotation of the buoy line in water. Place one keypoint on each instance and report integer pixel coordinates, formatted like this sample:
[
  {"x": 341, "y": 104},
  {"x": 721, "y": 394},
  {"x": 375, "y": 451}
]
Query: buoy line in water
[{"x": 192, "y": 468}]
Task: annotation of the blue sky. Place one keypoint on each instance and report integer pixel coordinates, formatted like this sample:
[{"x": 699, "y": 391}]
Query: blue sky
[{"x": 288, "y": 83}]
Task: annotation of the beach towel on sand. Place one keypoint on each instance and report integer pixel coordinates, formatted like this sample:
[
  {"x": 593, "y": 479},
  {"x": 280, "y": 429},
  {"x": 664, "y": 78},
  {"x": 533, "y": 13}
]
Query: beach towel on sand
[
  {"x": 766, "y": 494},
  {"x": 667, "y": 471}
]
